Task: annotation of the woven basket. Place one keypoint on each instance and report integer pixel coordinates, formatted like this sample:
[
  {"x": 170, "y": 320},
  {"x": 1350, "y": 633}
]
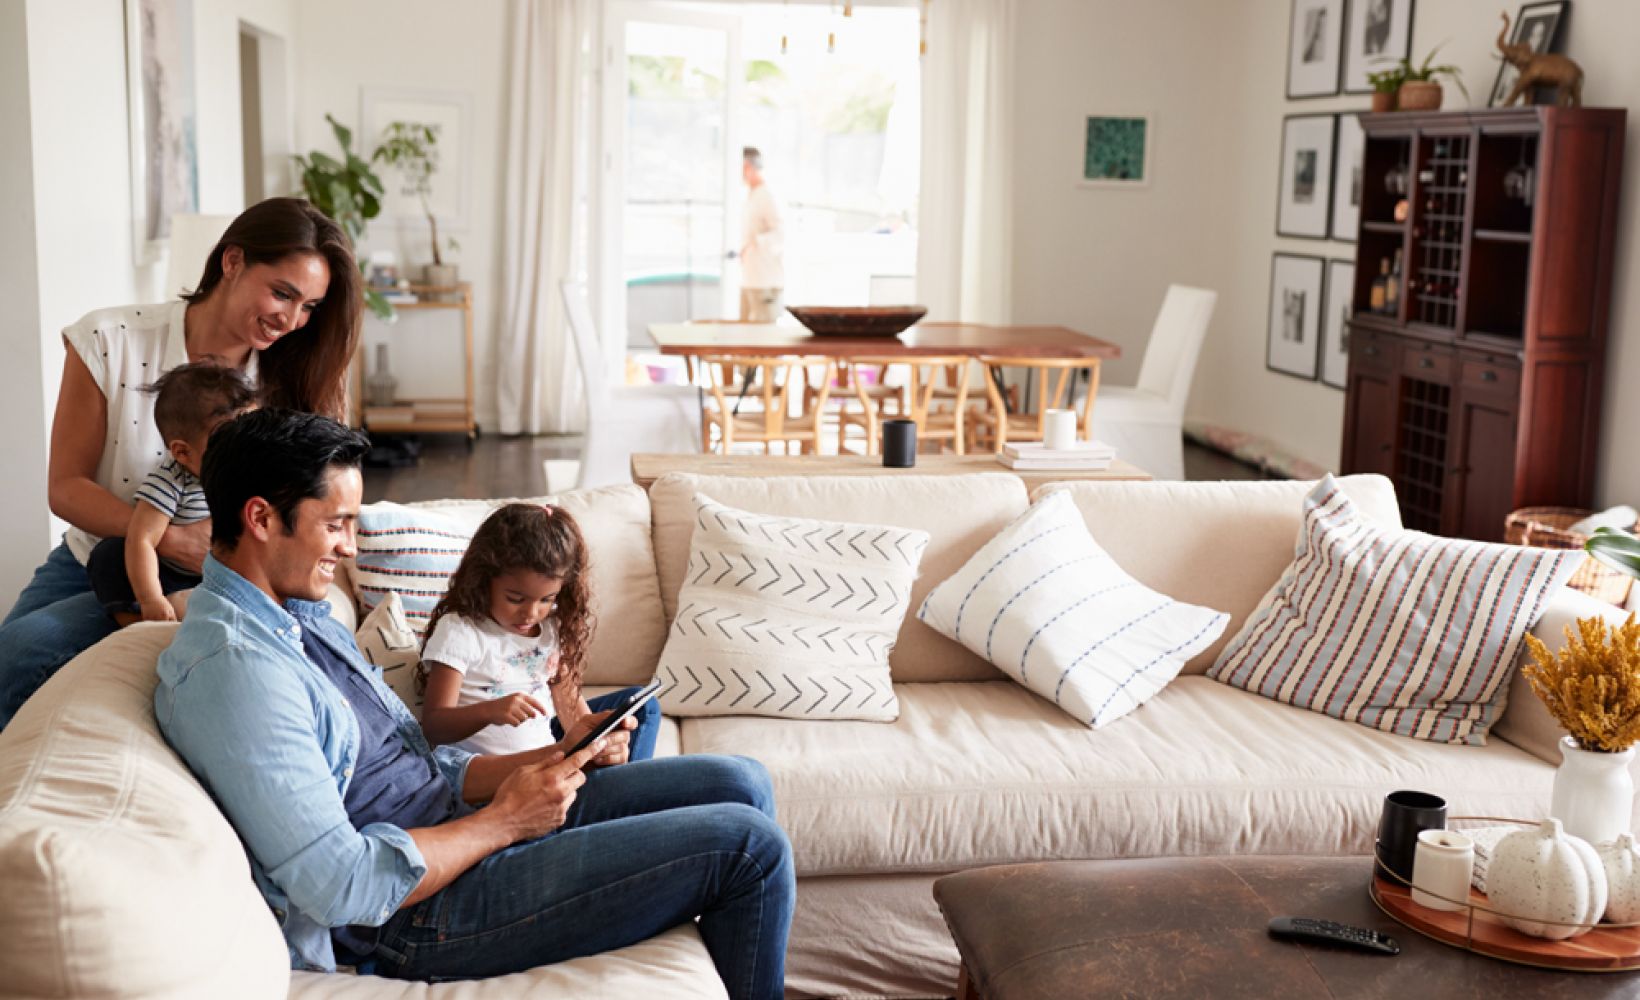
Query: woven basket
[{"x": 1547, "y": 528}]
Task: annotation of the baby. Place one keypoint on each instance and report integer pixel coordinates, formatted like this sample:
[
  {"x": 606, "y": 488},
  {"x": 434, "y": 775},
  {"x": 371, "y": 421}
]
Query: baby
[{"x": 127, "y": 575}]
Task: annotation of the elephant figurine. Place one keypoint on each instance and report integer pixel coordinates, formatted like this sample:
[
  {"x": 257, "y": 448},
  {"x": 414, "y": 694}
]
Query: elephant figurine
[{"x": 1540, "y": 70}]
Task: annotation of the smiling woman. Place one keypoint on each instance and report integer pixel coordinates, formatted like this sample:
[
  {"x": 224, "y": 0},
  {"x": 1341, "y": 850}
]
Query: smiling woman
[{"x": 279, "y": 300}]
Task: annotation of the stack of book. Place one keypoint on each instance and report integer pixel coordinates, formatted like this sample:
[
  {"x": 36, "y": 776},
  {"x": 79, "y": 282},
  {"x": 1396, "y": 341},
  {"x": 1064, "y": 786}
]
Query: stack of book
[{"x": 1034, "y": 456}]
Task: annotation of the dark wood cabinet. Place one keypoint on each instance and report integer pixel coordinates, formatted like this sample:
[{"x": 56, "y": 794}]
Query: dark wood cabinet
[{"x": 1476, "y": 388}]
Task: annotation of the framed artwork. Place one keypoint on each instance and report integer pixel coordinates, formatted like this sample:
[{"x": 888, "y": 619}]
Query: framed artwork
[
  {"x": 1294, "y": 335},
  {"x": 1116, "y": 151},
  {"x": 1377, "y": 33},
  {"x": 159, "y": 62},
  {"x": 1304, "y": 202},
  {"x": 1335, "y": 322},
  {"x": 1346, "y": 210},
  {"x": 1538, "y": 27},
  {"x": 1313, "y": 48},
  {"x": 451, "y": 113}
]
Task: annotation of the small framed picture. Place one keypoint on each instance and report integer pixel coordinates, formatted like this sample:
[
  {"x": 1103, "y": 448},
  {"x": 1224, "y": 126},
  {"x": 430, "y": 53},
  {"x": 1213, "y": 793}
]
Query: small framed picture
[
  {"x": 1378, "y": 33},
  {"x": 1537, "y": 26},
  {"x": 1304, "y": 203},
  {"x": 1346, "y": 211},
  {"x": 1314, "y": 48},
  {"x": 1294, "y": 336},
  {"x": 1116, "y": 151},
  {"x": 1335, "y": 323}
]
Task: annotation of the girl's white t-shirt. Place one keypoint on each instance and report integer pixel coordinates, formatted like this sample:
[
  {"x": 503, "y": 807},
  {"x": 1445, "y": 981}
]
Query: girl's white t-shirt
[
  {"x": 125, "y": 349},
  {"x": 494, "y": 663}
]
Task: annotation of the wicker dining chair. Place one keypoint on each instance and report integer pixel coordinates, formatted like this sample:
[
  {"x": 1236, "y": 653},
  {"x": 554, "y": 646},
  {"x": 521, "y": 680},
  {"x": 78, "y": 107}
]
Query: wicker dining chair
[
  {"x": 751, "y": 400},
  {"x": 1002, "y": 421},
  {"x": 935, "y": 395}
]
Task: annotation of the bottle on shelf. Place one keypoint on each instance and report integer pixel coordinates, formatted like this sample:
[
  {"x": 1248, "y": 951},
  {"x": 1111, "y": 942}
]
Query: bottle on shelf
[
  {"x": 1392, "y": 286},
  {"x": 1380, "y": 288}
]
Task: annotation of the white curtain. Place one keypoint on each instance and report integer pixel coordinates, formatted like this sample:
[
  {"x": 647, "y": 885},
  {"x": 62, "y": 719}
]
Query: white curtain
[
  {"x": 965, "y": 218},
  {"x": 539, "y": 388}
]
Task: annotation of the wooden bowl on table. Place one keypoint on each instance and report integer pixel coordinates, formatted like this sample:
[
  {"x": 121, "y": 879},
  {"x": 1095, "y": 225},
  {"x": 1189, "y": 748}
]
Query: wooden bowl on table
[{"x": 857, "y": 321}]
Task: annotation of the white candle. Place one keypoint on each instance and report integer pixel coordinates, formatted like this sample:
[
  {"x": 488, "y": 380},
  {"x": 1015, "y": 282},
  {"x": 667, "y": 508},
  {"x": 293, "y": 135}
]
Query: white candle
[
  {"x": 1059, "y": 429},
  {"x": 1442, "y": 866}
]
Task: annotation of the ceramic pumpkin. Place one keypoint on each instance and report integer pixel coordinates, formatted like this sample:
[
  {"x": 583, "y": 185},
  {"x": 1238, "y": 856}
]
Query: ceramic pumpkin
[
  {"x": 1622, "y": 863},
  {"x": 1549, "y": 883}
]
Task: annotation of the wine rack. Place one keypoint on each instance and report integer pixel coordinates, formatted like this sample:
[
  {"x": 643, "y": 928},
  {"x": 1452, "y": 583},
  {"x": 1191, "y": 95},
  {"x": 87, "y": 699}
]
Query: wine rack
[
  {"x": 1443, "y": 194},
  {"x": 1420, "y": 465}
]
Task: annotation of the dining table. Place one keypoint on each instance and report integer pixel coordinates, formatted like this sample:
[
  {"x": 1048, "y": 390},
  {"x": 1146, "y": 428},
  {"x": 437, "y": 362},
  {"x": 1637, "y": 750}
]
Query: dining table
[{"x": 694, "y": 340}]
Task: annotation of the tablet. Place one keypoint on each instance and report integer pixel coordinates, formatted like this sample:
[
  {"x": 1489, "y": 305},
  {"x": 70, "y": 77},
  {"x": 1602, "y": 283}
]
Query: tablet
[{"x": 619, "y": 712}]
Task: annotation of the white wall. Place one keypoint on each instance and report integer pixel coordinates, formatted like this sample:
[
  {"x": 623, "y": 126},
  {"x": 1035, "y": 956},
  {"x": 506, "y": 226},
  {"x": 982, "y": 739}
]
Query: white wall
[
  {"x": 1232, "y": 386},
  {"x": 427, "y": 45}
]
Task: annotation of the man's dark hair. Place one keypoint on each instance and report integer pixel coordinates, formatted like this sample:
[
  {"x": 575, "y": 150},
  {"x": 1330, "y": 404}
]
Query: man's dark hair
[
  {"x": 189, "y": 398},
  {"x": 282, "y": 456},
  {"x": 751, "y": 155}
]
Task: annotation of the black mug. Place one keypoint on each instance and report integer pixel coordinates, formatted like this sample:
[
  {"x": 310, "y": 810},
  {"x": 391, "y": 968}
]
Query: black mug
[
  {"x": 899, "y": 444},
  {"x": 1406, "y": 814}
]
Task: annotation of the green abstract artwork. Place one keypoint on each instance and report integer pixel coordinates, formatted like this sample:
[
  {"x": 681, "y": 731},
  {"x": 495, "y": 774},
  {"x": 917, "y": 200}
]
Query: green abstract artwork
[{"x": 1115, "y": 149}]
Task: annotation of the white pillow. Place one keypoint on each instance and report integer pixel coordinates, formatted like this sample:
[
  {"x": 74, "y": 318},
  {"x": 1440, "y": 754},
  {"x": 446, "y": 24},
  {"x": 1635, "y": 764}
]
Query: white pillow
[
  {"x": 387, "y": 640},
  {"x": 789, "y": 617},
  {"x": 1051, "y": 609}
]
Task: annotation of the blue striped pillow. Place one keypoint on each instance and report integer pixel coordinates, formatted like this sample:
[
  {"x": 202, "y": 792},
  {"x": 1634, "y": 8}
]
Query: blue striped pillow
[
  {"x": 409, "y": 551},
  {"x": 1051, "y": 609},
  {"x": 1397, "y": 630}
]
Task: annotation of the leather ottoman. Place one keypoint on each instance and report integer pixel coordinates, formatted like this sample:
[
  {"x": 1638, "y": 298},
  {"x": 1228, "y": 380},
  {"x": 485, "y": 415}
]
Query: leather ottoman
[{"x": 1195, "y": 927}]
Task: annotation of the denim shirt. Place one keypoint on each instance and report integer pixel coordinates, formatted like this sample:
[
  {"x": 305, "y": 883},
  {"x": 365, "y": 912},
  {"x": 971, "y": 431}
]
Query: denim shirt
[{"x": 275, "y": 743}]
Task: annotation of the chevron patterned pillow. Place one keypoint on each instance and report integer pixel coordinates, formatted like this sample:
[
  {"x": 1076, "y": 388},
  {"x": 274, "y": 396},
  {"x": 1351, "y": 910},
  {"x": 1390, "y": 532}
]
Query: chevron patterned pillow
[
  {"x": 788, "y": 617},
  {"x": 1051, "y": 609}
]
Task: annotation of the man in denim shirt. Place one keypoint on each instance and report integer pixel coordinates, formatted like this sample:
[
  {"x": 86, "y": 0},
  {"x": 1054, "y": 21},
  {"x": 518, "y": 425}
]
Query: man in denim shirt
[{"x": 420, "y": 863}]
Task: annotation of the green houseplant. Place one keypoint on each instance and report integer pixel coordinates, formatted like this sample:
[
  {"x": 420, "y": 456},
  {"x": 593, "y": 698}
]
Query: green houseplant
[
  {"x": 1420, "y": 88},
  {"x": 411, "y": 148},
  {"x": 349, "y": 192},
  {"x": 1385, "y": 83}
]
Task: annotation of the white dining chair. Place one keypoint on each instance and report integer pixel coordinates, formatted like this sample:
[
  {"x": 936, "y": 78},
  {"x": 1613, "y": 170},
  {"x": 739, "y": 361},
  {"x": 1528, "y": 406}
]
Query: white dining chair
[
  {"x": 1145, "y": 422},
  {"x": 623, "y": 419}
]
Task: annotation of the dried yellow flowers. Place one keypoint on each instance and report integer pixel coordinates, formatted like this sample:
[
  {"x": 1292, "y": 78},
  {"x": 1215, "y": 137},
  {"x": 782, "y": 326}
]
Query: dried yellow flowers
[{"x": 1593, "y": 687}]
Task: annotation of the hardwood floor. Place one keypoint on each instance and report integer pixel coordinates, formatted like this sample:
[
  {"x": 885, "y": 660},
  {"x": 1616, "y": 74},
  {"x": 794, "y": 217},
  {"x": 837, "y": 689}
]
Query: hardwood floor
[{"x": 511, "y": 467}]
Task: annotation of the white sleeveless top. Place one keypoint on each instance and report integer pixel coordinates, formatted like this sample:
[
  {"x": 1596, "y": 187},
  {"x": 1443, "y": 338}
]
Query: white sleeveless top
[{"x": 126, "y": 348}]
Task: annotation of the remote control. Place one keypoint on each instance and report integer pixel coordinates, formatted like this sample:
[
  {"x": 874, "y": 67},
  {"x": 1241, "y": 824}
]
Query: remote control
[{"x": 1311, "y": 931}]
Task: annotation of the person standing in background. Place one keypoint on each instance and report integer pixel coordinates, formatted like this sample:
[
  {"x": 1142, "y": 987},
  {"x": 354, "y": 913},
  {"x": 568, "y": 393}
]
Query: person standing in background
[{"x": 762, "y": 272}]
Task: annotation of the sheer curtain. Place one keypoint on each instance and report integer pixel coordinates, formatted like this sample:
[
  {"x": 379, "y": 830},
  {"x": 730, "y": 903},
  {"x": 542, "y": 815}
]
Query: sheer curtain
[
  {"x": 538, "y": 385},
  {"x": 965, "y": 219}
]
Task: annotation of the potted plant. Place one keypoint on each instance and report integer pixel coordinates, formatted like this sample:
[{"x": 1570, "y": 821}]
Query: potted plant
[
  {"x": 1420, "y": 90},
  {"x": 412, "y": 149},
  {"x": 350, "y": 193},
  {"x": 1385, "y": 83},
  {"x": 1592, "y": 688}
]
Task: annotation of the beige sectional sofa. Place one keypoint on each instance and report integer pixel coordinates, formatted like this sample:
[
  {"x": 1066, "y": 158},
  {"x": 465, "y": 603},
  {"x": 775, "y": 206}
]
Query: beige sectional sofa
[{"x": 122, "y": 879}]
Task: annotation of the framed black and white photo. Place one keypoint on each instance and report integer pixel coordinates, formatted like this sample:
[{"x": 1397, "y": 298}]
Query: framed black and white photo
[
  {"x": 1378, "y": 33},
  {"x": 1335, "y": 322},
  {"x": 1537, "y": 26},
  {"x": 1304, "y": 202},
  {"x": 1346, "y": 211},
  {"x": 1294, "y": 335},
  {"x": 1313, "y": 48}
]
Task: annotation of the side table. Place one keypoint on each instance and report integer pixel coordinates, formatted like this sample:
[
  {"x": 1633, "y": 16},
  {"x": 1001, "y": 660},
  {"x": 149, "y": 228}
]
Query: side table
[{"x": 1195, "y": 927}]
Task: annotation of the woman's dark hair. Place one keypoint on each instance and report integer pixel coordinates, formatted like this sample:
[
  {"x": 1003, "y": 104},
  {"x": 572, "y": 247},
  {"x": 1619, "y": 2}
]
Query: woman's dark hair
[
  {"x": 282, "y": 456},
  {"x": 306, "y": 369},
  {"x": 531, "y": 537}
]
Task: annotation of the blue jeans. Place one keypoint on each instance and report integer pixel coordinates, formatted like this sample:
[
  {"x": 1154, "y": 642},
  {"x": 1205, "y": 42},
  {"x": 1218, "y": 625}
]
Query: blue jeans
[
  {"x": 55, "y": 619},
  {"x": 647, "y": 846},
  {"x": 641, "y": 744}
]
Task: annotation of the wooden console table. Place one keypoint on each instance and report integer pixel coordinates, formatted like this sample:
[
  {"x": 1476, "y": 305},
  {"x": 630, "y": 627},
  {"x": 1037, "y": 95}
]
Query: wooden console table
[
  {"x": 648, "y": 467},
  {"x": 449, "y": 414}
]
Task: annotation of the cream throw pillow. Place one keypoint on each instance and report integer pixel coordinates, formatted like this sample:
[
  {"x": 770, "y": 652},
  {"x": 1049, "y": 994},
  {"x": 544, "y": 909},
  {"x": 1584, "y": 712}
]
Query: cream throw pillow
[
  {"x": 788, "y": 617},
  {"x": 386, "y": 638}
]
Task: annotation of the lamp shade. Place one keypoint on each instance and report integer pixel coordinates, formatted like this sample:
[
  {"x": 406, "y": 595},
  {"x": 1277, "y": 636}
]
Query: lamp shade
[{"x": 192, "y": 239}]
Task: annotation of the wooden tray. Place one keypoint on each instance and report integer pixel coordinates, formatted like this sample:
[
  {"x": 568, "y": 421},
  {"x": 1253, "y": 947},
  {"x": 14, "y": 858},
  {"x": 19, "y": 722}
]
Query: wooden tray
[{"x": 1477, "y": 929}]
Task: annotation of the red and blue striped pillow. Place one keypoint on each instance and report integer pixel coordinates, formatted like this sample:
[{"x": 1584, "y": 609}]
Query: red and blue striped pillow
[
  {"x": 1396, "y": 630},
  {"x": 409, "y": 551}
]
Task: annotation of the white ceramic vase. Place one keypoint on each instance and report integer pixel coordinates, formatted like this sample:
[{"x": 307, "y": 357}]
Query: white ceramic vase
[{"x": 1594, "y": 794}]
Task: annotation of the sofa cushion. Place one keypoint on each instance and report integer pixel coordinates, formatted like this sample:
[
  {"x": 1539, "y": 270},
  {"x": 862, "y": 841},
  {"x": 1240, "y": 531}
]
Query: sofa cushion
[
  {"x": 1397, "y": 630},
  {"x": 387, "y": 639},
  {"x": 788, "y": 616},
  {"x": 620, "y": 559},
  {"x": 960, "y": 513},
  {"x": 1219, "y": 545},
  {"x": 1051, "y": 608},
  {"x": 974, "y": 774},
  {"x": 118, "y": 875}
]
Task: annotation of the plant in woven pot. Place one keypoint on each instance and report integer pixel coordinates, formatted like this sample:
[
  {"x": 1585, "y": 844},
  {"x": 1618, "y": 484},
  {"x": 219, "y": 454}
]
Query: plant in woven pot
[
  {"x": 1384, "y": 85},
  {"x": 1420, "y": 88},
  {"x": 1592, "y": 688}
]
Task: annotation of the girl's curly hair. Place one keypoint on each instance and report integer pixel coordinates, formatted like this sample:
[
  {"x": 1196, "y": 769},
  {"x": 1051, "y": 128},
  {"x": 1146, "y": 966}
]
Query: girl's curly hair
[{"x": 526, "y": 536}]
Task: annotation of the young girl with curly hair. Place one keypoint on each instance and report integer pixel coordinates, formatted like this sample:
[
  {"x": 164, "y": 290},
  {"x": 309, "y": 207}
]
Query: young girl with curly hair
[{"x": 506, "y": 646}]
